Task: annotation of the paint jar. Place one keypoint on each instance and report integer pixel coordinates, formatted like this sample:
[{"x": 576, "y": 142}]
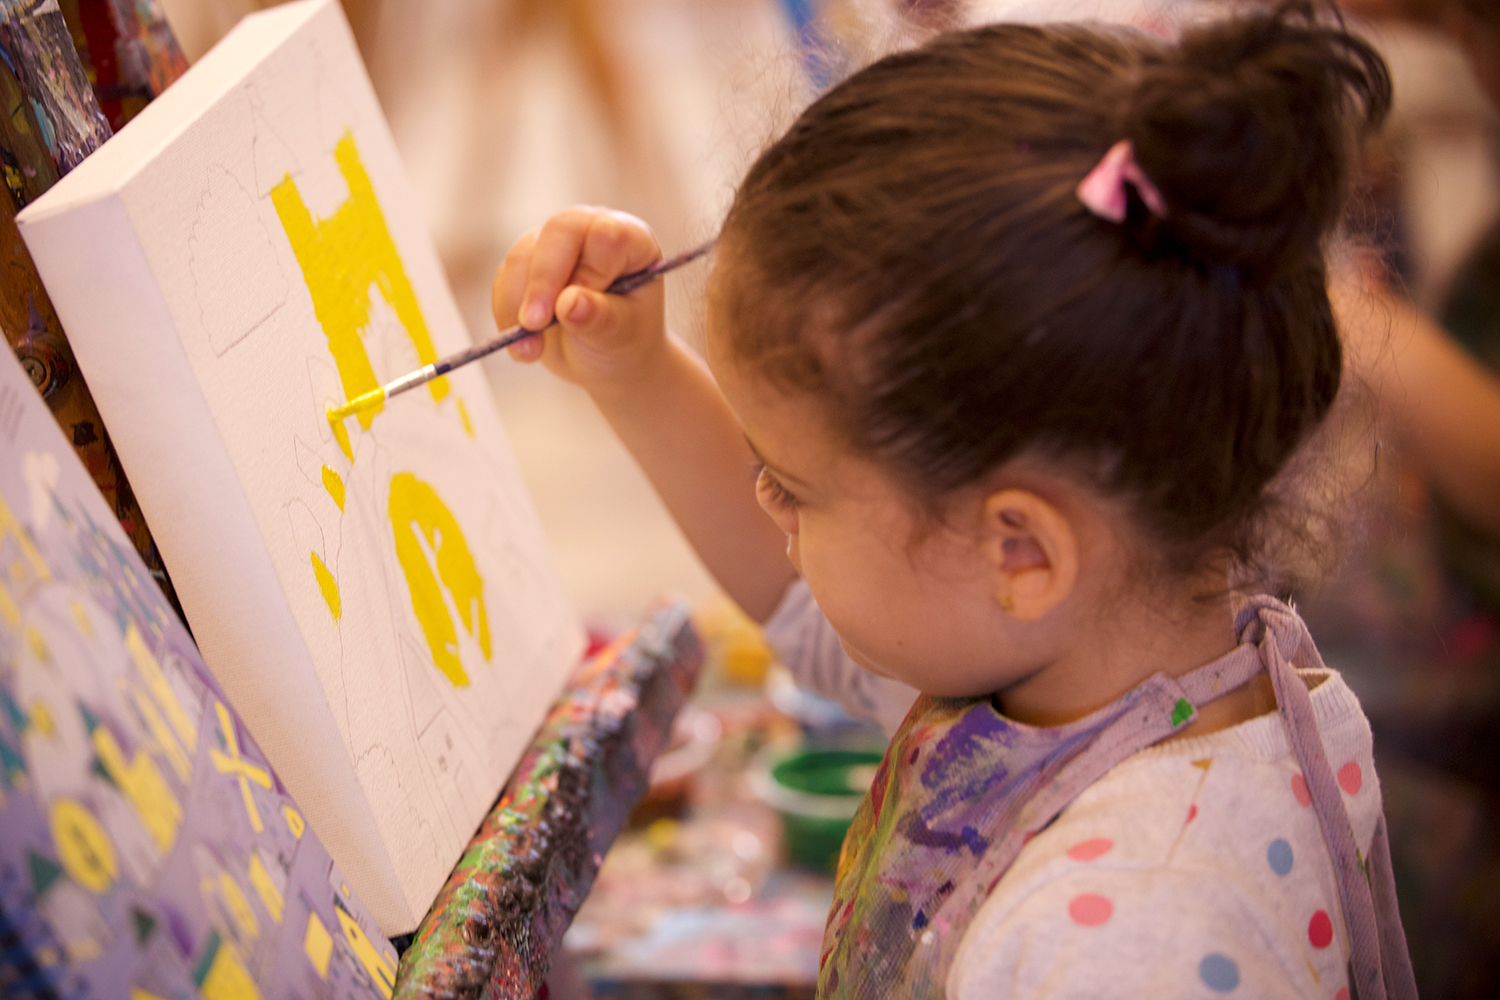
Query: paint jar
[{"x": 815, "y": 790}]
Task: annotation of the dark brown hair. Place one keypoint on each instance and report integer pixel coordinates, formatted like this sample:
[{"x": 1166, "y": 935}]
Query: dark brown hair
[{"x": 913, "y": 251}]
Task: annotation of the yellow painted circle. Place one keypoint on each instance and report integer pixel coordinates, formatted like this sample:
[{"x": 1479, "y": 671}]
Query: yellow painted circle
[{"x": 84, "y": 848}]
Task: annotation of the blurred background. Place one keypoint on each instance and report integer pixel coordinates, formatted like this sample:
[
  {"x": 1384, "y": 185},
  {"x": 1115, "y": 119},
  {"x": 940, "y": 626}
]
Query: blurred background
[{"x": 508, "y": 110}]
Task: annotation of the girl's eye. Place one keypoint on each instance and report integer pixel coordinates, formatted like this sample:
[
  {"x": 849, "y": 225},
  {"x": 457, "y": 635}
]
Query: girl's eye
[{"x": 775, "y": 492}]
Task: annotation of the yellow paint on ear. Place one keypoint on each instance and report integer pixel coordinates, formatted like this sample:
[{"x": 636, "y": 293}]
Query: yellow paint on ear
[
  {"x": 342, "y": 257},
  {"x": 334, "y": 484},
  {"x": 418, "y": 515},
  {"x": 329, "y": 586},
  {"x": 317, "y": 945},
  {"x": 341, "y": 435},
  {"x": 463, "y": 414},
  {"x": 83, "y": 847}
]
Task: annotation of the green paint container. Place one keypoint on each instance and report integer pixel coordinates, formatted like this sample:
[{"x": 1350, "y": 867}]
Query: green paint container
[{"x": 816, "y": 793}]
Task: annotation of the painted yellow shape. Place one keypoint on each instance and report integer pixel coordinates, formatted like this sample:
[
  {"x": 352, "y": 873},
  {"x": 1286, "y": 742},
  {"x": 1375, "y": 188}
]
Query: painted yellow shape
[
  {"x": 83, "y": 847},
  {"x": 334, "y": 484},
  {"x": 381, "y": 971},
  {"x": 329, "y": 586},
  {"x": 81, "y": 619},
  {"x": 38, "y": 645},
  {"x": 415, "y": 508},
  {"x": 141, "y": 782},
  {"x": 294, "y": 821},
  {"x": 162, "y": 734},
  {"x": 239, "y": 906},
  {"x": 227, "y": 978},
  {"x": 341, "y": 257},
  {"x": 463, "y": 414},
  {"x": 270, "y": 896},
  {"x": 10, "y": 527},
  {"x": 156, "y": 683},
  {"x": 9, "y": 609},
  {"x": 1204, "y": 764},
  {"x": 41, "y": 719},
  {"x": 231, "y": 763},
  {"x": 317, "y": 944},
  {"x": 341, "y": 435},
  {"x": 136, "y": 993}
]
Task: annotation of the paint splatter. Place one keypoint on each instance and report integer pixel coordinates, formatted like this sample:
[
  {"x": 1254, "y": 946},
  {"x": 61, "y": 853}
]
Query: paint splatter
[
  {"x": 418, "y": 515},
  {"x": 342, "y": 258},
  {"x": 334, "y": 484},
  {"x": 463, "y": 414},
  {"x": 341, "y": 435},
  {"x": 328, "y": 585}
]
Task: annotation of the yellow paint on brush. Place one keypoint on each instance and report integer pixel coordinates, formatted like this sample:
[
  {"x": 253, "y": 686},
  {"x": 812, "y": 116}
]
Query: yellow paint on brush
[
  {"x": 342, "y": 256},
  {"x": 328, "y": 585},
  {"x": 334, "y": 484},
  {"x": 418, "y": 515},
  {"x": 463, "y": 414}
]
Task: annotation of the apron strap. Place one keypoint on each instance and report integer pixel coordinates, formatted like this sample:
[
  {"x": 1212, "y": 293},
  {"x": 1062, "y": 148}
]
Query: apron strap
[{"x": 1281, "y": 635}]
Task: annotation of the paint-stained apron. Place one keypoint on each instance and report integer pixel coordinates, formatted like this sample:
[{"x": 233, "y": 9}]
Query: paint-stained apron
[{"x": 962, "y": 789}]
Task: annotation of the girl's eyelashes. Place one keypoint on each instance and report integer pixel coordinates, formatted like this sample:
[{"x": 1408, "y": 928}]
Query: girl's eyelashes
[{"x": 775, "y": 492}]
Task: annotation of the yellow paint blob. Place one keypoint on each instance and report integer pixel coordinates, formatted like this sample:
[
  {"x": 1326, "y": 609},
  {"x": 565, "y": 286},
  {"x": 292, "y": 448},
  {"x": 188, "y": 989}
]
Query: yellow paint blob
[
  {"x": 233, "y": 764},
  {"x": 239, "y": 906},
  {"x": 83, "y": 847},
  {"x": 317, "y": 945},
  {"x": 334, "y": 484},
  {"x": 143, "y": 785},
  {"x": 418, "y": 515},
  {"x": 265, "y": 886},
  {"x": 341, "y": 257},
  {"x": 81, "y": 619},
  {"x": 380, "y": 969},
  {"x": 328, "y": 585},
  {"x": 161, "y": 690},
  {"x": 227, "y": 977},
  {"x": 463, "y": 414},
  {"x": 341, "y": 435},
  {"x": 294, "y": 821},
  {"x": 41, "y": 719}
]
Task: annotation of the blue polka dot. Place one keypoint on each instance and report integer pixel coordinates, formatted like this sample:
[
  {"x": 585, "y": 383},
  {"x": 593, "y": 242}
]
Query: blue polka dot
[
  {"x": 1219, "y": 973},
  {"x": 1279, "y": 856}
]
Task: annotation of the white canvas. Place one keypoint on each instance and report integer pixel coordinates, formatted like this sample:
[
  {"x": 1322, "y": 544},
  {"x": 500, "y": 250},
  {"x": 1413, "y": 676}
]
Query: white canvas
[{"x": 385, "y": 617}]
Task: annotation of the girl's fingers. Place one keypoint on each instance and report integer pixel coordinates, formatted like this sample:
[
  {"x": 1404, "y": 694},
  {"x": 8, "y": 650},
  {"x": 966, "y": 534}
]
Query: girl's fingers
[
  {"x": 554, "y": 257},
  {"x": 616, "y": 243},
  {"x": 510, "y": 281}
]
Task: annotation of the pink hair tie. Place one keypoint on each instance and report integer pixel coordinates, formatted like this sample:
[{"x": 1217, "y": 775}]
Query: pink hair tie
[{"x": 1103, "y": 190}]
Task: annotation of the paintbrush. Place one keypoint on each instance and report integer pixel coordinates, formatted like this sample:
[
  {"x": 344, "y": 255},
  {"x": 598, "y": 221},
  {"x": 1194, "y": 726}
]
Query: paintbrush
[{"x": 623, "y": 285}]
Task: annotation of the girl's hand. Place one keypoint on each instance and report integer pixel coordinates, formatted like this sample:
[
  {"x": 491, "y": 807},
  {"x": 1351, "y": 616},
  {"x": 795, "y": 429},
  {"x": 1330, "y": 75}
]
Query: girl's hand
[{"x": 601, "y": 341}]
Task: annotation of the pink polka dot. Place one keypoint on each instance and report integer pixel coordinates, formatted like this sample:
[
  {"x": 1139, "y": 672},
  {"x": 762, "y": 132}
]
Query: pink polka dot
[
  {"x": 1088, "y": 850},
  {"x": 1299, "y": 789},
  {"x": 1351, "y": 778},
  {"x": 1090, "y": 909},
  {"x": 1320, "y": 930},
  {"x": 1342, "y": 994}
]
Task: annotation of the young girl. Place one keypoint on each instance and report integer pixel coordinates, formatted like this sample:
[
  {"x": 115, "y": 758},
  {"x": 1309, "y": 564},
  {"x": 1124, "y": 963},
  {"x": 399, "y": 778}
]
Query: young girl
[{"x": 1018, "y": 331}]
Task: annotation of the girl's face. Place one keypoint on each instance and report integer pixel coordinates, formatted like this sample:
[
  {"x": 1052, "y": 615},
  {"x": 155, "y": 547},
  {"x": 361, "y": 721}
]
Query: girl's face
[{"x": 910, "y": 600}]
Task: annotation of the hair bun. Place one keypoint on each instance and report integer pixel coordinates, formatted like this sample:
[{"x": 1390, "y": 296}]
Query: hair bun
[{"x": 1243, "y": 126}]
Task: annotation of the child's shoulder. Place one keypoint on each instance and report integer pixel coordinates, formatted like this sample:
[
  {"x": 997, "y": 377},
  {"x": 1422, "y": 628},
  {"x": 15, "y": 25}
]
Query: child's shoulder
[{"x": 1191, "y": 865}]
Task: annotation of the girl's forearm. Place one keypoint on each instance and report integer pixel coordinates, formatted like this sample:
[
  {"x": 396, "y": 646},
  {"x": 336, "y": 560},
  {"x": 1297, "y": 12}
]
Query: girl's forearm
[{"x": 676, "y": 424}]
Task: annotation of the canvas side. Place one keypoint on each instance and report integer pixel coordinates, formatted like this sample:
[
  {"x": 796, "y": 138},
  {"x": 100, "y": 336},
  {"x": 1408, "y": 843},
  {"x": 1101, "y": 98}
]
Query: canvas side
[{"x": 130, "y": 353}]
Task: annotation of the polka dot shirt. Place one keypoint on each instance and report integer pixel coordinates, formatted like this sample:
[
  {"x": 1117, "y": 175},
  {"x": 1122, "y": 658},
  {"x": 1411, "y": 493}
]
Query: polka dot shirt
[{"x": 1193, "y": 869}]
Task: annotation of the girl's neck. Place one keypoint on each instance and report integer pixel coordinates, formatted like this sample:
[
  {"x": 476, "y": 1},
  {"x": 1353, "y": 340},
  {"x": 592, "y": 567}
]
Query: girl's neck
[{"x": 1127, "y": 643}]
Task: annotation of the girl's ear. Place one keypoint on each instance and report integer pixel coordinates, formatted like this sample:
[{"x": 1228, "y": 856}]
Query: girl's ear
[{"x": 1032, "y": 551}]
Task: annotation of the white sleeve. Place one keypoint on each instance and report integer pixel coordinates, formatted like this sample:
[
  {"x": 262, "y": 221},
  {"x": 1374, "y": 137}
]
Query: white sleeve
[
  {"x": 810, "y": 649},
  {"x": 1155, "y": 934}
]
